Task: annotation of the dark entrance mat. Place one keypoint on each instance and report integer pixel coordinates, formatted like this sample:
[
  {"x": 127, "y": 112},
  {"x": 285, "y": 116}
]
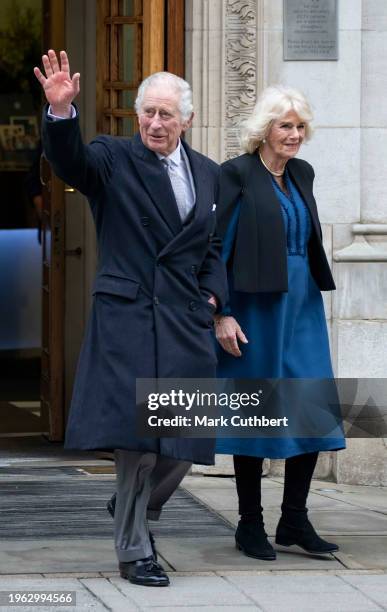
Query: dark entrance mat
[
  {"x": 14, "y": 419},
  {"x": 58, "y": 503}
]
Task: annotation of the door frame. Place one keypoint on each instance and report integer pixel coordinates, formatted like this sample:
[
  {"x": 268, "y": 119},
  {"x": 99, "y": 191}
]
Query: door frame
[{"x": 53, "y": 273}]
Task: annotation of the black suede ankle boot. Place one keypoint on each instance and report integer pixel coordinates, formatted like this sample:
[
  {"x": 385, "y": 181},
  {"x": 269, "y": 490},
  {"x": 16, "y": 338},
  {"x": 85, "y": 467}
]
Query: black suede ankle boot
[
  {"x": 251, "y": 539},
  {"x": 294, "y": 528}
]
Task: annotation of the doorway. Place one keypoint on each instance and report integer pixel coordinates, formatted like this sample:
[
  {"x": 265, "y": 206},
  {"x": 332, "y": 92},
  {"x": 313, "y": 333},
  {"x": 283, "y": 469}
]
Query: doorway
[
  {"x": 47, "y": 246},
  {"x": 21, "y": 32}
]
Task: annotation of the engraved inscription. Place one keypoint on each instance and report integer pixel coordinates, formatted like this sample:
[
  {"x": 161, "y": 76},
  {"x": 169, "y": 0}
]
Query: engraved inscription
[{"x": 310, "y": 30}]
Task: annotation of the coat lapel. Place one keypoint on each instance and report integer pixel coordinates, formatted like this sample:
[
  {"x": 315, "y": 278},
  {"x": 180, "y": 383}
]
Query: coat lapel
[
  {"x": 304, "y": 186},
  {"x": 156, "y": 182},
  {"x": 268, "y": 207},
  {"x": 203, "y": 203},
  {"x": 267, "y": 197}
]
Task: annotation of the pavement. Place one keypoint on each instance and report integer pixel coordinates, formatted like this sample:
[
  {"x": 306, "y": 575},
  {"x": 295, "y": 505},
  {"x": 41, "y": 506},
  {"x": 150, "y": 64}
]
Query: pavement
[{"x": 207, "y": 573}]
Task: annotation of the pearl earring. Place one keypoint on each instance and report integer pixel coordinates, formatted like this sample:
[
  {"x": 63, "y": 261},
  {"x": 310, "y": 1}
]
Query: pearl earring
[{"x": 264, "y": 140}]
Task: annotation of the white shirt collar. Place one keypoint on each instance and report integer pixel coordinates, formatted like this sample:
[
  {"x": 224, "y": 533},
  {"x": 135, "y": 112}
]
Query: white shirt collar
[{"x": 175, "y": 156}]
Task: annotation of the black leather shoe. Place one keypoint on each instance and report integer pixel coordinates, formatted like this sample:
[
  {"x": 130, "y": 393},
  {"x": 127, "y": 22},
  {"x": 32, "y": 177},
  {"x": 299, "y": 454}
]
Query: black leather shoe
[
  {"x": 145, "y": 572},
  {"x": 251, "y": 539},
  {"x": 304, "y": 535},
  {"x": 111, "y": 508}
]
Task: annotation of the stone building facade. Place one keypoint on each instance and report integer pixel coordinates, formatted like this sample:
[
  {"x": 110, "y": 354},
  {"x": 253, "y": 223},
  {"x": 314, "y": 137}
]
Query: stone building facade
[{"x": 234, "y": 48}]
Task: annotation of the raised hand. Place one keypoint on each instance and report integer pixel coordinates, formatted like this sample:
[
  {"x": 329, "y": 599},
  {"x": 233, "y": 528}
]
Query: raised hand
[{"x": 60, "y": 89}]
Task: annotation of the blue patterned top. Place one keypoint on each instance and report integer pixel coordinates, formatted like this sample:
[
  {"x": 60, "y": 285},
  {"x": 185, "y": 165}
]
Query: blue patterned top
[{"x": 296, "y": 217}]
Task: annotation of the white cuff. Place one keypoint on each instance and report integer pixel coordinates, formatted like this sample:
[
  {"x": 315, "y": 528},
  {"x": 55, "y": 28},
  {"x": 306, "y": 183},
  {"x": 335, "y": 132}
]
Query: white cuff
[{"x": 56, "y": 118}]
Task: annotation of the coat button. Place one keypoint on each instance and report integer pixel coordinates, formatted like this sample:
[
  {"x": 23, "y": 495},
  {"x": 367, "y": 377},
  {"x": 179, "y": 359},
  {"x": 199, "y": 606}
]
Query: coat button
[
  {"x": 156, "y": 300},
  {"x": 193, "y": 269},
  {"x": 144, "y": 221},
  {"x": 193, "y": 305}
]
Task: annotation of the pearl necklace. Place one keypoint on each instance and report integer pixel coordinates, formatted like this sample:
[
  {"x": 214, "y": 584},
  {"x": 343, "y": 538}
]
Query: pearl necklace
[{"x": 267, "y": 167}]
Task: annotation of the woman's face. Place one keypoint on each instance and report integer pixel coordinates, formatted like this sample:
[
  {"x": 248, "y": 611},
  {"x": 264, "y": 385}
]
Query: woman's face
[{"x": 285, "y": 137}]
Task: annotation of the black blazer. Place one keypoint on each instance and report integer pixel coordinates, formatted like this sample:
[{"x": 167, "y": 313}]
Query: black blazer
[{"x": 259, "y": 260}]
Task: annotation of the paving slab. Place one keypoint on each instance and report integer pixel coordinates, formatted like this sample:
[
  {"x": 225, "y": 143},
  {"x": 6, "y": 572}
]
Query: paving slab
[
  {"x": 208, "y": 482},
  {"x": 220, "y": 554},
  {"x": 216, "y": 499},
  {"x": 110, "y": 595},
  {"x": 373, "y": 498},
  {"x": 77, "y": 575},
  {"x": 84, "y": 599},
  {"x": 291, "y": 584},
  {"x": 295, "y": 572},
  {"x": 226, "y": 482},
  {"x": 226, "y": 499},
  {"x": 348, "y": 561},
  {"x": 376, "y": 582},
  {"x": 374, "y": 587},
  {"x": 356, "y": 522},
  {"x": 330, "y": 516},
  {"x": 186, "y": 591},
  {"x": 231, "y": 608},
  {"x": 273, "y": 498},
  {"x": 323, "y": 602},
  {"x": 336, "y": 522},
  {"x": 58, "y": 556},
  {"x": 341, "y": 487},
  {"x": 368, "y": 551},
  {"x": 303, "y": 593},
  {"x": 324, "y": 592}
]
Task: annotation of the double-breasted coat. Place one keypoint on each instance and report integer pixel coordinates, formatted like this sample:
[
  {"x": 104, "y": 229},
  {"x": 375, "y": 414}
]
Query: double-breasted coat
[{"x": 150, "y": 314}]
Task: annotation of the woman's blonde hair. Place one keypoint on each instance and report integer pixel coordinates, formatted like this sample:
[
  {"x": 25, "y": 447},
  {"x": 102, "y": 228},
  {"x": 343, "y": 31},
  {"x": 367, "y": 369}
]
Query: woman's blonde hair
[{"x": 273, "y": 103}]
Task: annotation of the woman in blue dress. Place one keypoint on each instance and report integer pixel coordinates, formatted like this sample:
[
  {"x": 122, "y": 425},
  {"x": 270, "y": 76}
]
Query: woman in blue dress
[{"x": 274, "y": 325}]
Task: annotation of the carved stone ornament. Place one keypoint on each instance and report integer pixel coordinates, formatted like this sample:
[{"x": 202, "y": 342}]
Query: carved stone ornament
[{"x": 241, "y": 67}]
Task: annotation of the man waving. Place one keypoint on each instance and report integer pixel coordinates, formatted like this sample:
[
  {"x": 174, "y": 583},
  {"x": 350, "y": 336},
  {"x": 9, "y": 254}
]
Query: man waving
[{"x": 158, "y": 283}]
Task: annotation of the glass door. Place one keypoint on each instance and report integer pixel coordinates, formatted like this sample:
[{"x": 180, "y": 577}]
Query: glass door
[
  {"x": 21, "y": 211},
  {"x": 134, "y": 39}
]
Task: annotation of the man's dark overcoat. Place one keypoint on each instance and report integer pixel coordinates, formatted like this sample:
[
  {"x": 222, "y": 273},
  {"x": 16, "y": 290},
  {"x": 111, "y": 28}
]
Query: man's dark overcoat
[{"x": 150, "y": 315}]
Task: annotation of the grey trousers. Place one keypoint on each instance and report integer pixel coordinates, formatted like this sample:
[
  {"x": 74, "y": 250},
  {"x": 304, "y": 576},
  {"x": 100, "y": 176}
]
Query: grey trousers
[{"x": 145, "y": 481}]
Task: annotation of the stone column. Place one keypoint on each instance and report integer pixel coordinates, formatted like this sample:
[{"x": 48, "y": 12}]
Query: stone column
[
  {"x": 205, "y": 71},
  {"x": 360, "y": 254}
]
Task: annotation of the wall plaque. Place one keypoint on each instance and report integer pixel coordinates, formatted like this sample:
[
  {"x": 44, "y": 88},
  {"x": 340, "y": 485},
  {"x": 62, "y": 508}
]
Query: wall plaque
[{"x": 310, "y": 30}]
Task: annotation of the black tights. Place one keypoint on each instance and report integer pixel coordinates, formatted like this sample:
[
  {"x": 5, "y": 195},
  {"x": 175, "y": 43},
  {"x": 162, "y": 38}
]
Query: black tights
[{"x": 248, "y": 472}]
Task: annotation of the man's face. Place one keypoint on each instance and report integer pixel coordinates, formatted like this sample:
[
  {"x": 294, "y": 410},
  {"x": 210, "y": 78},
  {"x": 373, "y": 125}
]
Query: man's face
[{"x": 160, "y": 119}]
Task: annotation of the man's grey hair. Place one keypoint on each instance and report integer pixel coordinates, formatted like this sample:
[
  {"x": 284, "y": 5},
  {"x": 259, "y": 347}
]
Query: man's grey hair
[
  {"x": 174, "y": 82},
  {"x": 273, "y": 103}
]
